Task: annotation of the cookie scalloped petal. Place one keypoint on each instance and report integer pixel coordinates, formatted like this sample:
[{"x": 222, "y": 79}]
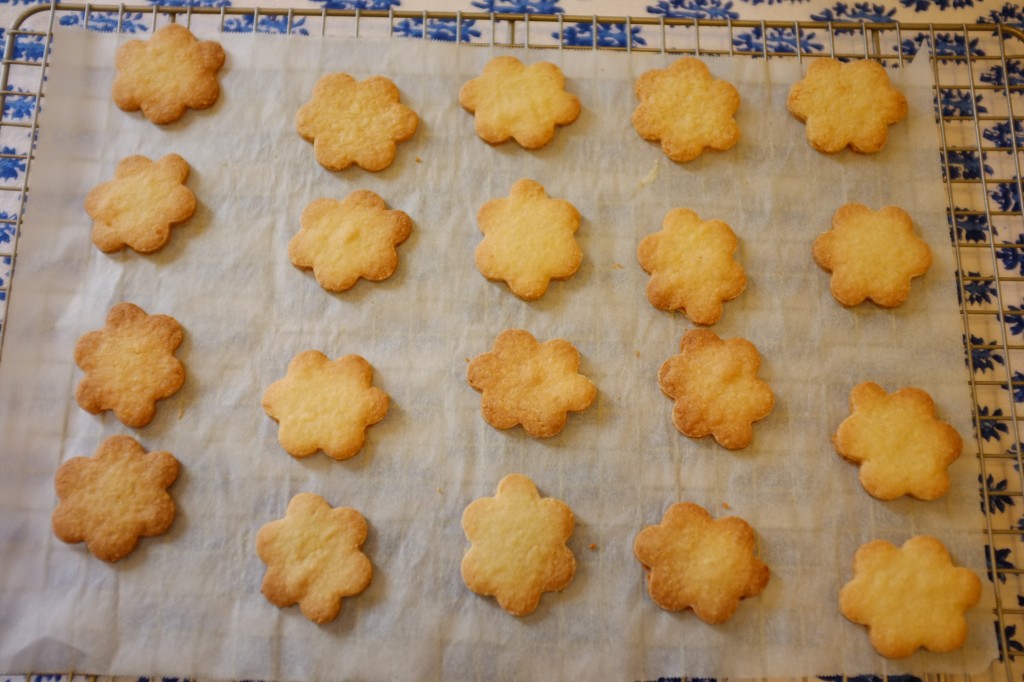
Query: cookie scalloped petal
[
  {"x": 910, "y": 597},
  {"x": 518, "y": 545},
  {"x": 167, "y": 75},
  {"x": 325, "y": 405},
  {"x": 355, "y": 122},
  {"x": 511, "y": 100},
  {"x": 686, "y": 109},
  {"x": 93, "y": 505},
  {"x": 534, "y": 384}
]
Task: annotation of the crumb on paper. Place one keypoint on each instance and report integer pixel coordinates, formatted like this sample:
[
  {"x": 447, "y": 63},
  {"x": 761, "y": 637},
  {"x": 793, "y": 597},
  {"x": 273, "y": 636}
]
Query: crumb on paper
[
  {"x": 652, "y": 176},
  {"x": 726, "y": 506},
  {"x": 419, "y": 160},
  {"x": 637, "y": 354},
  {"x": 440, "y": 491},
  {"x": 592, "y": 547},
  {"x": 467, "y": 360},
  {"x": 617, "y": 266}
]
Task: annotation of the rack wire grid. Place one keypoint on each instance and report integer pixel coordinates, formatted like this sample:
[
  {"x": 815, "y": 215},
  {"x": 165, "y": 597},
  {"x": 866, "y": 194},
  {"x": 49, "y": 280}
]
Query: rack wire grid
[{"x": 978, "y": 80}]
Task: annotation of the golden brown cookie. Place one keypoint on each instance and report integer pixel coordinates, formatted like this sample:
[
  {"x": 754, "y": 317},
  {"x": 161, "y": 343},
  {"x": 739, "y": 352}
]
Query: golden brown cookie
[
  {"x": 695, "y": 562},
  {"x": 518, "y": 548},
  {"x": 129, "y": 364},
  {"x": 848, "y": 104},
  {"x": 871, "y": 254},
  {"x": 325, "y": 405},
  {"x": 525, "y": 103},
  {"x": 691, "y": 266},
  {"x": 530, "y": 383},
  {"x": 715, "y": 387},
  {"x": 138, "y": 208},
  {"x": 360, "y": 122},
  {"x": 900, "y": 445},
  {"x": 167, "y": 74},
  {"x": 313, "y": 557},
  {"x": 115, "y": 497},
  {"x": 528, "y": 240},
  {"x": 686, "y": 109},
  {"x": 342, "y": 241},
  {"x": 910, "y": 597}
]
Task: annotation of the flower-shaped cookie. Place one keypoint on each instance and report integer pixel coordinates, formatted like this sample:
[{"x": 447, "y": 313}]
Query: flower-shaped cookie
[
  {"x": 848, "y": 104},
  {"x": 360, "y": 122},
  {"x": 872, "y": 254},
  {"x": 901, "y": 446},
  {"x": 687, "y": 109},
  {"x": 167, "y": 74},
  {"x": 525, "y": 103},
  {"x": 325, "y": 405},
  {"x": 345, "y": 240},
  {"x": 530, "y": 383},
  {"x": 518, "y": 546},
  {"x": 691, "y": 265},
  {"x": 141, "y": 204},
  {"x": 910, "y": 597},
  {"x": 115, "y": 497},
  {"x": 129, "y": 364},
  {"x": 528, "y": 240},
  {"x": 313, "y": 557},
  {"x": 696, "y": 562},
  {"x": 715, "y": 387}
]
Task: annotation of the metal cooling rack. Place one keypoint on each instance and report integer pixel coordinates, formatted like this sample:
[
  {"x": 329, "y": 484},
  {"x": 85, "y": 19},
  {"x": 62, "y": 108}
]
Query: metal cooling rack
[{"x": 978, "y": 78}]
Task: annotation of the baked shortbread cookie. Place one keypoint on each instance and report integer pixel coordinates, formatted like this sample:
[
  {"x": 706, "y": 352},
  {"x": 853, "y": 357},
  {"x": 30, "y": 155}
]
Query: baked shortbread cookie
[
  {"x": 313, "y": 557},
  {"x": 360, "y": 122},
  {"x": 695, "y": 562},
  {"x": 901, "y": 446},
  {"x": 691, "y": 266},
  {"x": 129, "y": 364},
  {"x": 325, "y": 405},
  {"x": 115, "y": 497},
  {"x": 518, "y": 545},
  {"x": 342, "y": 241},
  {"x": 848, "y": 104},
  {"x": 168, "y": 74},
  {"x": 871, "y": 254},
  {"x": 910, "y": 597},
  {"x": 138, "y": 208},
  {"x": 715, "y": 388},
  {"x": 686, "y": 109},
  {"x": 528, "y": 240},
  {"x": 530, "y": 383},
  {"x": 524, "y": 103}
]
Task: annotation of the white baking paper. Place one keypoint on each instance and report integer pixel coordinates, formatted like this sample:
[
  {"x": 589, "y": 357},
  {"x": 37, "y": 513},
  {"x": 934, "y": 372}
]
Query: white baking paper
[{"x": 189, "y": 602}]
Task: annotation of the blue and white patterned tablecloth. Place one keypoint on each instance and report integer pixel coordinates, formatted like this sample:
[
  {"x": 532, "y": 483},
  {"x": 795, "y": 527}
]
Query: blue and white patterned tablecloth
[{"x": 1004, "y": 498}]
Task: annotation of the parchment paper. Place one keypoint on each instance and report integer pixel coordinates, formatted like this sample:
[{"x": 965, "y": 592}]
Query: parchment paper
[{"x": 188, "y": 603}]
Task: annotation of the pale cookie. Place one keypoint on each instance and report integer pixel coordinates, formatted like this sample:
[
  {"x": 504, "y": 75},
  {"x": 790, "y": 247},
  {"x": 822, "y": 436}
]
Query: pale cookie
[
  {"x": 695, "y": 562},
  {"x": 691, "y": 266},
  {"x": 848, "y": 104},
  {"x": 115, "y": 497},
  {"x": 138, "y": 208},
  {"x": 129, "y": 364},
  {"x": 530, "y": 383},
  {"x": 325, "y": 405},
  {"x": 715, "y": 388},
  {"x": 313, "y": 557},
  {"x": 167, "y": 74},
  {"x": 524, "y": 103},
  {"x": 910, "y": 597},
  {"x": 900, "y": 445},
  {"x": 871, "y": 255},
  {"x": 360, "y": 122},
  {"x": 528, "y": 240},
  {"x": 518, "y": 545},
  {"x": 342, "y": 241},
  {"x": 686, "y": 109}
]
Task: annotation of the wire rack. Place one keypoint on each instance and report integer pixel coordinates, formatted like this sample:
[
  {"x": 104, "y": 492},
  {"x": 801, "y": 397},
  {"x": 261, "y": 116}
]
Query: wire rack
[{"x": 978, "y": 73}]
